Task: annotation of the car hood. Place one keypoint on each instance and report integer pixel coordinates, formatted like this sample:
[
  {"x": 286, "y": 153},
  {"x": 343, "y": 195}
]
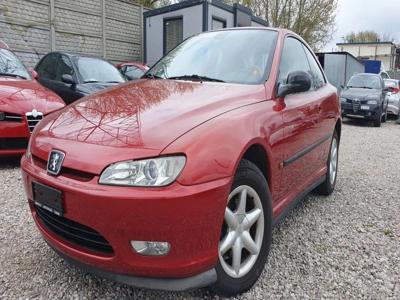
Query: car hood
[
  {"x": 136, "y": 119},
  {"x": 21, "y": 96},
  {"x": 358, "y": 93}
]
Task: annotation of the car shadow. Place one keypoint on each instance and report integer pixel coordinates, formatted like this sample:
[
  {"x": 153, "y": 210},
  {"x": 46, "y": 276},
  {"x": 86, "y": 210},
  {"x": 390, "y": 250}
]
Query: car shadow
[
  {"x": 10, "y": 162},
  {"x": 357, "y": 122}
]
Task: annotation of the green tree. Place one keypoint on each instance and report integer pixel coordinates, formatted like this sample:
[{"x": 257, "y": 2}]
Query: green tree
[{"x": 367, "y": 36}]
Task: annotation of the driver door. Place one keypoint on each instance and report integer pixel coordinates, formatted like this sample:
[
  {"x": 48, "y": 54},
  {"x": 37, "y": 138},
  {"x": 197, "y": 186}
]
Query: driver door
[{"x": 301, "y": 124}]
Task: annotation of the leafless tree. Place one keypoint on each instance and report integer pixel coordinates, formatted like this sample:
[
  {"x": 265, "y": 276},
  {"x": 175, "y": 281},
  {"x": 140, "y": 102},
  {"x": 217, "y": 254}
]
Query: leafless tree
[{"x": 314, "y": 20}]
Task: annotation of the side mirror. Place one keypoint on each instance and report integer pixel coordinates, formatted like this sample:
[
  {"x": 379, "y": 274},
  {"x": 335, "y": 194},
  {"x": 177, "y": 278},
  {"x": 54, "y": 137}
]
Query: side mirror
[
  {"x": 34, "y": 74},
  {"x": 342, "y": 86},
  {"x": 297, "y": 82},
  {"x": 68, "y": 79}
]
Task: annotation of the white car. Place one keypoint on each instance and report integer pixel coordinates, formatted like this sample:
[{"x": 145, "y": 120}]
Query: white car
[{"x": 393, "y": 96}]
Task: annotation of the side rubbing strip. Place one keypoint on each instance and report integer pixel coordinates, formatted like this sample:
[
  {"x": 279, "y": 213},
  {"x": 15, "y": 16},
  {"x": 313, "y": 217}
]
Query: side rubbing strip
[{"x": 305, "y": 151}]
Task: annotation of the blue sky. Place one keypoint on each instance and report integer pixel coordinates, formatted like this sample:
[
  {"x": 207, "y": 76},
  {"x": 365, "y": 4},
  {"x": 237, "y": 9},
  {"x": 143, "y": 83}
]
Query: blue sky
[{"x": 382, "y": 16}]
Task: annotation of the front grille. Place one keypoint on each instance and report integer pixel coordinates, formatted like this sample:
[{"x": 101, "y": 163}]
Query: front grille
[
  {"x": 13, "y": 143},
  {"x": 33, "y": 121},
  {"x": 74, "y": 232},
  {"x": 356, "y": 105},
  {"x": 67, "y": 172},
  {"x": 7, "y": 117}
]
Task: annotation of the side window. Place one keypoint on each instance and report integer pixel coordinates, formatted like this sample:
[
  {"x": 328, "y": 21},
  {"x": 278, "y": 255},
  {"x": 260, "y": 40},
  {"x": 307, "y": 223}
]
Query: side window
[
  {"x": 47, "y": 67},
  {"x": 293, "y": 59},
  {"x": 64, "y": 67},
  {"x": 317, "y": 76}
]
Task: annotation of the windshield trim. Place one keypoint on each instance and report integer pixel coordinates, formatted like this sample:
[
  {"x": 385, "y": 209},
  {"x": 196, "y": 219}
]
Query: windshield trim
[{"x": 268, "y": 65}]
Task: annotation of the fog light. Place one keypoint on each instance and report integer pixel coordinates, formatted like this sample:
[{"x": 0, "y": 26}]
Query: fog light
[{"x": 151, "y": 248}]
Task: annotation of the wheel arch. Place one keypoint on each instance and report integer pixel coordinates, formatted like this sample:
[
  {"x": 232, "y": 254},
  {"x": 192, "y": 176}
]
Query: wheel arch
[
  {"x": 257, "y": 154},
  {"x": 338, "y": 128}
]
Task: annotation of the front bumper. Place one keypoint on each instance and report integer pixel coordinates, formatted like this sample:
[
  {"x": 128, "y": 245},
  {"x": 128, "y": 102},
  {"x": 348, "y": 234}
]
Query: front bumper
[
  {"x": 370, "y": 114},
  {"x": 166, "y": 284},
  {"x": 188, "y": 217},
  {"x": 14, "y": 137}
]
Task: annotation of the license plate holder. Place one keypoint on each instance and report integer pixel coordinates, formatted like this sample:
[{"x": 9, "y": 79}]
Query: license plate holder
[{"x": 48, "y": 198}]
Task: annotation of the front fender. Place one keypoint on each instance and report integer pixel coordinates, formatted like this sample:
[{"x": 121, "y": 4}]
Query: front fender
[{"x": 214, "y": 149}]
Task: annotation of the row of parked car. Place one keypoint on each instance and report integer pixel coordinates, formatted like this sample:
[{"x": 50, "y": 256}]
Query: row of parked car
[
  {"x": 58, "y": 79},
  {"x": 370, "y": 97}
]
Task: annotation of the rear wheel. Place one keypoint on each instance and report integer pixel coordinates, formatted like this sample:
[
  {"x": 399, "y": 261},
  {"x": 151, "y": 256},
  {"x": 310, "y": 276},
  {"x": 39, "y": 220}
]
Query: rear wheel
[
  {"x": 327, "y": 187},
  {"x": 246, "y": 232}
]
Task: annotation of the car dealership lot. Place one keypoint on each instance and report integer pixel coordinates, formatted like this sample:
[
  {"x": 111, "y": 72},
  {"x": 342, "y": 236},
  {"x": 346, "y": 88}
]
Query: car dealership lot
[{"x": 345, "y": 245}]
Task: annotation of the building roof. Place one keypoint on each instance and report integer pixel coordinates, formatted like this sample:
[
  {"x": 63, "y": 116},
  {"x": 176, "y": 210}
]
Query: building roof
[
  {"x": 366, "y": 43},
  {"x": 337, "y": 53},
  {"x": 217, "y": 3}
]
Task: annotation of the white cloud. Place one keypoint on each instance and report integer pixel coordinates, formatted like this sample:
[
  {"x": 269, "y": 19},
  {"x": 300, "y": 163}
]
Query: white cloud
[{"x": 382, "y": 16}]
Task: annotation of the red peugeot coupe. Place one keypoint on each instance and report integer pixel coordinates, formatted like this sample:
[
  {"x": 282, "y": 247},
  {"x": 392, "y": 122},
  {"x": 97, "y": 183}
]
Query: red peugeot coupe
[
  {"x": 23, "y": 103},
  {"x": 174, "y": 181}
]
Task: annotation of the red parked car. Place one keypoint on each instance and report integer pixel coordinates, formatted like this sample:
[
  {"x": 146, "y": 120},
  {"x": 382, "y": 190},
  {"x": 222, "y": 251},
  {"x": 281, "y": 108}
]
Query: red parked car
[
  {"x": 174, "y": 181},
  {"x": 132, "y": 70},
  {"x": 23, "y": 103}
]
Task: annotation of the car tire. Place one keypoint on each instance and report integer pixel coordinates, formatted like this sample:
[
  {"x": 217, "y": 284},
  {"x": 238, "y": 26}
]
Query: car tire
[
  {"x": 384, "y": 118},
  {"x": 327, "y": 187},
  {"x": 250, "y": 181},
  {"x": 378, "y": 120}
]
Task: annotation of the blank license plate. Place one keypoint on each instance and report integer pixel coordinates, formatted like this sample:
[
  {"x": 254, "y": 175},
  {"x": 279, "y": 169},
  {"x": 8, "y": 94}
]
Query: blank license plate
[
  {"x": 365, "y": 107},
  {"x": 48, "y": 198}
]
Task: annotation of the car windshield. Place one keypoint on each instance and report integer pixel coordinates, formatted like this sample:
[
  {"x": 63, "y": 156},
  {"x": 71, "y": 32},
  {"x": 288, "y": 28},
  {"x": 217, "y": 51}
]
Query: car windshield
[
  {"x": 365, "y": 82},
  {"x": 11, "y": 66},
  {"x": 235, "y": 56},
  {"x": 97, "y": 70}
]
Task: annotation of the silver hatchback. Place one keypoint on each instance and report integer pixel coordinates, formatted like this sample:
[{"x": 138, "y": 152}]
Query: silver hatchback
[{"x": 393, "y": 95}]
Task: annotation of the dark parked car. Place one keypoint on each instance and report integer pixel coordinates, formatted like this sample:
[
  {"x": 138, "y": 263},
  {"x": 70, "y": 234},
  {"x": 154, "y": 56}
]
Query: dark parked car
[
  {"x": 175, "y": 181},
  {"x": 365, "y": 97},
  {"x": 132, "y": 70},
  {"x": 73, "y": 76}
]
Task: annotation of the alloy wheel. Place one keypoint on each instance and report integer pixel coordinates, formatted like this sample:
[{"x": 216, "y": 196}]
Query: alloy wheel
[{"x": 242, "y": 233}]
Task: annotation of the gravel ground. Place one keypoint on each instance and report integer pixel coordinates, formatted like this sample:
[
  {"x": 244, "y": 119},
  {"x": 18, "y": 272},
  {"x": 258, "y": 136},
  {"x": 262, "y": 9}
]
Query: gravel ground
[{"x": 343, "y": 246}]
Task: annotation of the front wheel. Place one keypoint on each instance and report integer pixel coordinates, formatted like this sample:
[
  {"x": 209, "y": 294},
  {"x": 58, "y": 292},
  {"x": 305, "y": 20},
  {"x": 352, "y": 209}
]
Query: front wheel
[
  {"x": 326, "y": 188},
  {"x": 384, "y": 118},
  {"x": 246, "y": 232},
  {"x": 378, "y": 120}
]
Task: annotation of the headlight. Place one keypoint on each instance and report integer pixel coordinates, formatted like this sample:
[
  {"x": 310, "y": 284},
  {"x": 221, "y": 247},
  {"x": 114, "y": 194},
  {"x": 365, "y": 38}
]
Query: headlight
[
  {"x": 159, "y": 171},
  {"x": 343, "y": 100},
  {"x": 372, "y": 102}
]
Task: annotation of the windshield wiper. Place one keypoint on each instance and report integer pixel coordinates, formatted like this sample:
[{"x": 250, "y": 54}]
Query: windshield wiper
[
  {"x": 91, "y": 81},
  {"x": 13, "y": 75},
  {"x": 196, "y": 77},
  {"x": 367, "y": 87},
  {"x": 151, "y": 76}
]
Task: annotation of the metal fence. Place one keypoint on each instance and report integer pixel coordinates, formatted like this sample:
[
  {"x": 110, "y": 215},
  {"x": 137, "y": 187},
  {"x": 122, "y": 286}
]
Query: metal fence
[{"x": 107, "y": 28}]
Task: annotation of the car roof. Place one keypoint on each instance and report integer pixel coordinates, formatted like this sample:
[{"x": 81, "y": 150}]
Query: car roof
[
  {"x": 72, "y": 54},
  {"x": 367, "y": 74}
]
